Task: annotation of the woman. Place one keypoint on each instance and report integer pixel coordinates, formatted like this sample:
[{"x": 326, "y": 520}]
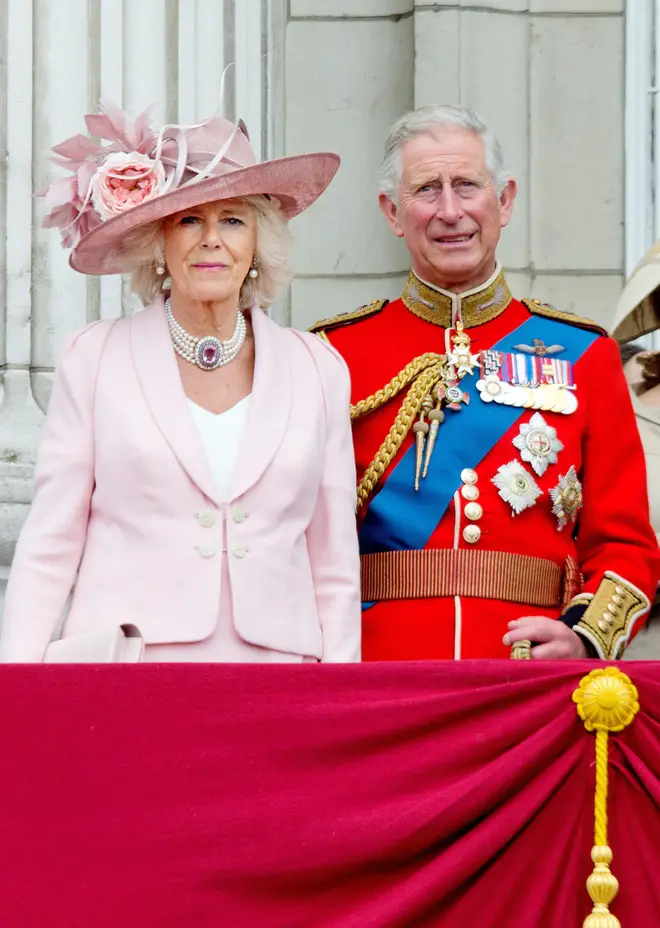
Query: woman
[
  {"x": 638, "y": 314},
  {"x": 196, "y": 475}
]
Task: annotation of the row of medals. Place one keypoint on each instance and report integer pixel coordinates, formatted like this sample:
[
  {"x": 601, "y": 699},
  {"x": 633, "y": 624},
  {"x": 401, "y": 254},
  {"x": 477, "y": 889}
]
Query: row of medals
[{"x": 449, "y": 394}]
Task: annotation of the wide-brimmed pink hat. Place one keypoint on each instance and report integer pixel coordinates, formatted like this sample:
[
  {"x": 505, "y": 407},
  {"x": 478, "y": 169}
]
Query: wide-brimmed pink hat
[{"x": 142, "y": 176}]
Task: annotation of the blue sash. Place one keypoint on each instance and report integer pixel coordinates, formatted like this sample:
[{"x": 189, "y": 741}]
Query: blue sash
[{"x": 399, "y": 518}]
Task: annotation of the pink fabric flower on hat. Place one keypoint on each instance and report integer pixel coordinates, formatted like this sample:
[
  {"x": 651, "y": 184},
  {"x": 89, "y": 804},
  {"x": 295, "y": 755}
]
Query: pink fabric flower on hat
[
  {"x": 125, "y": 180},
  {"x": 70, "y": 201}
]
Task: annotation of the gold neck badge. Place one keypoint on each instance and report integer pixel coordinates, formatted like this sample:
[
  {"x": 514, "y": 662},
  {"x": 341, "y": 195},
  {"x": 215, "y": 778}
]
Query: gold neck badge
[{"x": 443, "y": 308}]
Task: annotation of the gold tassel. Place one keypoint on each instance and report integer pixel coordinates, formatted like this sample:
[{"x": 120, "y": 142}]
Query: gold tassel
[
  {"x": 606, "y": 702},
  {"x": 421, "y": 429},
  {"x": 437, "y": 417}
]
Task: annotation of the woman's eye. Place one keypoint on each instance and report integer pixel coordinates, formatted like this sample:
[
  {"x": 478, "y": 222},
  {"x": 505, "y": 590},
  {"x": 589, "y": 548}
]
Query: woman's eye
[
  {"x": 234, "y": 221},
  {"x": 188, "y": 220}
]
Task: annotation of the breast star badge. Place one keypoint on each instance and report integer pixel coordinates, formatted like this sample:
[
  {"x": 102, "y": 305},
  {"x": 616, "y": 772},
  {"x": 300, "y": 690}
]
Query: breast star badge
[
  {"x": 538, "y": 444},
  {"x": 516, "y": 486},
  {"x": 567, "y": 499}
]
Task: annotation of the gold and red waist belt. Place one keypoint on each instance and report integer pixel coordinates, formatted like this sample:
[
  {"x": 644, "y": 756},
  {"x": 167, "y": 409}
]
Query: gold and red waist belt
[{"x": 430, "y": 573}]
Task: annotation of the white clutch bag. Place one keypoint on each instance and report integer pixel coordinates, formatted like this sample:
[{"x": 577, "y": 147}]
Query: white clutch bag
[{"x": 122, "y": 644}]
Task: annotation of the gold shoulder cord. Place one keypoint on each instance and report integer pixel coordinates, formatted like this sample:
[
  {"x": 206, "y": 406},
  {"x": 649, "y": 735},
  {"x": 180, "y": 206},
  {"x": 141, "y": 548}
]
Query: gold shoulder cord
[
  {"x": 396, "y": 384},
  {"x": 428, "y": 369}
]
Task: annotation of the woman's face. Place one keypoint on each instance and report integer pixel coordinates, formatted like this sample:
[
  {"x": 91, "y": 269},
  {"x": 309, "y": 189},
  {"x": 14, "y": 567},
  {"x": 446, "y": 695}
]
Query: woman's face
[{"x": 209, "y": 249}]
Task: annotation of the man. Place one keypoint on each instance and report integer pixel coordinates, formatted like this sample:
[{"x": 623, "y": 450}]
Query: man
[{"x": 502, "y": 494}]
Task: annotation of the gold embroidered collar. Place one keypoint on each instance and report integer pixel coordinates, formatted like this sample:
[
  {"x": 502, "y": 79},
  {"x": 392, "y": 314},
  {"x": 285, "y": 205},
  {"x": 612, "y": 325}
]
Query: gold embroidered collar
[{"x": 443, "y": 308}]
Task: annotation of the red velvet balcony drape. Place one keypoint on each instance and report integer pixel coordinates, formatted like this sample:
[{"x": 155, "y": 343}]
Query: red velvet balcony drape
[{"x": 363, "y": 796}]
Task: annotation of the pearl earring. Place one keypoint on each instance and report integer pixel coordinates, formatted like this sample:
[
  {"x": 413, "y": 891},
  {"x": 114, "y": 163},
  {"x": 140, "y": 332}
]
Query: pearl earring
[
  {"x": 253, "y": 273},
  {"x": 160, "y": 270}
]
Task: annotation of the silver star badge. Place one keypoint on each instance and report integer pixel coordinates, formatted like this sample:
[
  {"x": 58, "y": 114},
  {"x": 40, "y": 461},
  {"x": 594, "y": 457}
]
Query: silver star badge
[
  {"x": 567, "y": 499},
  {"x": 538, "y": 444},
  {"x": 516, "y": 486}
]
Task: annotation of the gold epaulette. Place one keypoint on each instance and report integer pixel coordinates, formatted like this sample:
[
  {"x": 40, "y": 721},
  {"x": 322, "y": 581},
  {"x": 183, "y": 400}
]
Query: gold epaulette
[
  {"x": 345, "y": 318},
  {"x": 544, "y": 309}
]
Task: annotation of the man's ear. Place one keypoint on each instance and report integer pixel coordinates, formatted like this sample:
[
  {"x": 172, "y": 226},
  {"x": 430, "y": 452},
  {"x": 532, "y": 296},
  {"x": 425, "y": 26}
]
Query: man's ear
[
  {"x": 390, "y": 211},
  {"x": 507, "y": 198}
]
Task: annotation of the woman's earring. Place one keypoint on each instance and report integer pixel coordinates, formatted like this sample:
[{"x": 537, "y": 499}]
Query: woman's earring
[
  {"x": 160, "y": 263},
  {"x": 253, "y": 272}
]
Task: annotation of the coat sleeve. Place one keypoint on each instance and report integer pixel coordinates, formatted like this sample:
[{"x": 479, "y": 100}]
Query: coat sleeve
[
  {"x": 332, "y": 534},
  {"x": 617, "y": 548},
  {"x": 52, "y": 540}
]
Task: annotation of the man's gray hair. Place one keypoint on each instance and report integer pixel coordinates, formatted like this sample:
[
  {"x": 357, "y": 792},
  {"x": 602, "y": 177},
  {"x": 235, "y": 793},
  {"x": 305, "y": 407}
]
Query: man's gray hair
[{"x": 430, "y": 119}]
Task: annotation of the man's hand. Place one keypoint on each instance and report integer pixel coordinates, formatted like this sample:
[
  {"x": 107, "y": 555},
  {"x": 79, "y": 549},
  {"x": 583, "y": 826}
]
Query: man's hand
[{"x": 554, "y": 640}]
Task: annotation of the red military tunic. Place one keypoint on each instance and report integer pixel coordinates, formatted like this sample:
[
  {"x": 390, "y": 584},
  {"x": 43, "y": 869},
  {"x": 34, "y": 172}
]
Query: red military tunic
[{"x": 611, "y": 540}]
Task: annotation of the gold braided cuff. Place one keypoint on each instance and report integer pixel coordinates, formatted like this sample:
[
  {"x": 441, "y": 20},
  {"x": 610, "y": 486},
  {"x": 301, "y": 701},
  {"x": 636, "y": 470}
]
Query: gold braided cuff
[{"x": 611, "y": 615}]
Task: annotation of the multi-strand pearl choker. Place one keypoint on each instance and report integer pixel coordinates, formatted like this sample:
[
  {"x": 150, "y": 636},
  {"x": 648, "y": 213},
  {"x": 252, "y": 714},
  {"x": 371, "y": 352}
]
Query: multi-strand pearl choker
[{"x": 209, "y": 352}]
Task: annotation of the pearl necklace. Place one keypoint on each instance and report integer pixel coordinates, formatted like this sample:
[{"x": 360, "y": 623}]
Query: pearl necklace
[{"x": 209, "y": 352}]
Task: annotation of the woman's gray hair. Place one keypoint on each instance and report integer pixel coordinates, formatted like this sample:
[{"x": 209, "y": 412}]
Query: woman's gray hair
[
  {"x": 430, "y": 119},
  {"x": 143, "y": 253}
]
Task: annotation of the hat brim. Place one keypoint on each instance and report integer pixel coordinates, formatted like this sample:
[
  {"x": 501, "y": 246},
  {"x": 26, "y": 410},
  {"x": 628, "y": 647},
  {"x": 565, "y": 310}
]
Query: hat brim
[
  {"x": 296, "y": 182},
  {"x": 638, "y": 310}
]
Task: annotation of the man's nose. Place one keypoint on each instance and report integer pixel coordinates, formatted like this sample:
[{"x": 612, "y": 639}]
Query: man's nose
[{"x": 449, "y": 207}]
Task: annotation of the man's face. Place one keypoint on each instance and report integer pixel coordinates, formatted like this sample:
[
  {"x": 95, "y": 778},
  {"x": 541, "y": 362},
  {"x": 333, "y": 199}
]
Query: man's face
[{"x": 449, "y": 212}]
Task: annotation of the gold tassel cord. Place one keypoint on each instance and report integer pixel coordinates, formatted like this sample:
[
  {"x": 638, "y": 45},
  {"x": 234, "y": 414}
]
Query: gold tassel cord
[
  {"x": 401, "y": 426},
  {"x": 396, "y": 384},
  {"x": 436, "y": 418},
  {"x": 606, "y": 702}
]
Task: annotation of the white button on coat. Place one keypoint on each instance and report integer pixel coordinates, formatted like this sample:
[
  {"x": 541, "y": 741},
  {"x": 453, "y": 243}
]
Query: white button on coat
[
  {"x": 472, "y": 534},
  {"x": 469, "y": 476},
  {"x": 238, "y": 514},
  {"x": 238, "y": 549},
  {"x": 206, "y": 550},
  {"x": 206, "y": 518}
]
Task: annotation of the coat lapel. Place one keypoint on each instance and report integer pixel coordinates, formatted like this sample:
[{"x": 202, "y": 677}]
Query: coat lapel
[
  {"x": 157, "y": 371},
  {"x": 270, "y": 405}
]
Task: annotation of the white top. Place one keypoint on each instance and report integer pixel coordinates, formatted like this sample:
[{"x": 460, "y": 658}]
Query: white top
[{"x": 221, "y": 436}]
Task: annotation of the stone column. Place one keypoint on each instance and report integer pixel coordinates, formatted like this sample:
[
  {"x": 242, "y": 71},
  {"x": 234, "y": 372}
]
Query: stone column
[{"x": 349, "y": 76}]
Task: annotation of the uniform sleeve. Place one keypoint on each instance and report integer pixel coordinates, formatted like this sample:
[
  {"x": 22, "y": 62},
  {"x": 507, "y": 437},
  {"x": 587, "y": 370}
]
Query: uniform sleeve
[
  {"x": 50, "y": 545},
  {"x": 332, "y": 533},
  {"x": 617, "y": 548}
]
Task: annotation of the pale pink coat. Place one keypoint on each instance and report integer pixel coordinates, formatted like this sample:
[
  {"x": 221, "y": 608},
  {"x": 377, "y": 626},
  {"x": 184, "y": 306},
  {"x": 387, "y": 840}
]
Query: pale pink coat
[{"x": 124, "y": 499}]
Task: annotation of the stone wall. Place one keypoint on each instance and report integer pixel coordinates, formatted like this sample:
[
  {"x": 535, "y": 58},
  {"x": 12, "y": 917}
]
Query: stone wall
[{"x": 547, "y": 75}]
